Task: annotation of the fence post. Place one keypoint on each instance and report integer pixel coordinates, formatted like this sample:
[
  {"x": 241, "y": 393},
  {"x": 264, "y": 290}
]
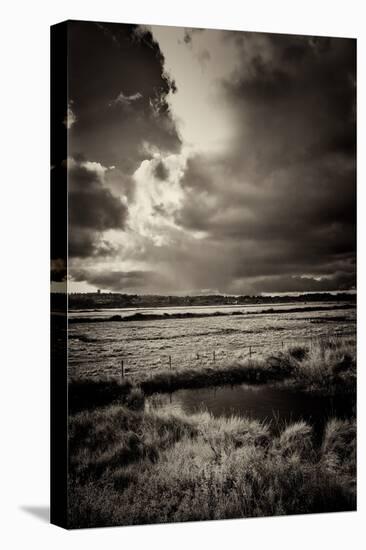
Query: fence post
[
  {"x": 198, "y": 356},
  {"x": 122, "y": 369},
  {"x": 170, "y": 361},
  {"x": 214, "y": 356},
  {"x": 250, "y": 351}
]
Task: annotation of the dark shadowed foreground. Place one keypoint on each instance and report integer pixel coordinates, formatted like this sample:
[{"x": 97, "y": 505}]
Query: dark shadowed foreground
[{"x": 130, "y": 464}]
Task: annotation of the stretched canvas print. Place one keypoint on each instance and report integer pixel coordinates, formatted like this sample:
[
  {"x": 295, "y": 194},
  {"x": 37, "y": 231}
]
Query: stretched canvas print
[{"x": 203, "y": 190}]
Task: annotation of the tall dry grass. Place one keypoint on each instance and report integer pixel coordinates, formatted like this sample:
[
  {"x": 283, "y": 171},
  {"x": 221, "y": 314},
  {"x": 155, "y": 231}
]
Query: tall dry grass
[
  {"x": 129, "y": 467},
  {"x": 327, "y": 365}
]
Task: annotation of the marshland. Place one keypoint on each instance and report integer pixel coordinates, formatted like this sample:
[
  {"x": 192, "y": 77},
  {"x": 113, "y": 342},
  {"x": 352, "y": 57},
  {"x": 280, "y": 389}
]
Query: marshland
[
  {"x": 208, "y": 272},
  {"x": 253, "y": 415}
]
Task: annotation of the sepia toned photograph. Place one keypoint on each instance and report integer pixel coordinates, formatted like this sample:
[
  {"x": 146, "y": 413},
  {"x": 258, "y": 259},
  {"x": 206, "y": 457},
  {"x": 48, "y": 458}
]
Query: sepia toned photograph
[{"x": 203, "y": 274}]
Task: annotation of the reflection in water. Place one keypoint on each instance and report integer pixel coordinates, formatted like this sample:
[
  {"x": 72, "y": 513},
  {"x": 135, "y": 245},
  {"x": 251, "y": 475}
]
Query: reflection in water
[{"x": 277, "y": 405}]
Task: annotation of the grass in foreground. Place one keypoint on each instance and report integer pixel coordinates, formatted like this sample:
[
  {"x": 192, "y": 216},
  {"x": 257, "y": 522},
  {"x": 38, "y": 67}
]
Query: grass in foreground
[{"x": 130, "y": 467}]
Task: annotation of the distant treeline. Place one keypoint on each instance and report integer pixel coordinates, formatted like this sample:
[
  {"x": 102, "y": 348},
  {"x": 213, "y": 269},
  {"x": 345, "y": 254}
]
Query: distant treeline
[{"x": 111, "y": 300}]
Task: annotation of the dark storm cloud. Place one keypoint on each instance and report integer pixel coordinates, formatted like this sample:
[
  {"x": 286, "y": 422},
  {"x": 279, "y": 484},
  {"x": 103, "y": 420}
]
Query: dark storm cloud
[
  {"x": 119, "y": 88},
  {"x": 306, "y": 102},
  {"x": 246, "y": 267},
  {"x": 282, "y": 201},
  {"x": 271, "y": 209},
  {"x": 303, "y": 200},
  {"x": 120, "y": 281},
  {"x": 93, "y": 209},
  {"x": 283, "y": 284}
]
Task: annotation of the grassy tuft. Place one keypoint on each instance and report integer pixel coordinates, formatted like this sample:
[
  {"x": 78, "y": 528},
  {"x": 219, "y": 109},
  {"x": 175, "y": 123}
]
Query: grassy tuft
[
  {"x": 135, "y": 399},
  {"x": 328, "y": 366}
]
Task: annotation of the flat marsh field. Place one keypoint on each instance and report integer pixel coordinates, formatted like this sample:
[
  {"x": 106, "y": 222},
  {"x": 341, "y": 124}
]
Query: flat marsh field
[{"x": 241, "y": 414}]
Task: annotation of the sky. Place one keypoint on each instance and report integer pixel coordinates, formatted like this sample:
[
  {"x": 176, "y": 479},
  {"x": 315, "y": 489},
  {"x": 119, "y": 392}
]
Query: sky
[{"x": 209, "y": 161}]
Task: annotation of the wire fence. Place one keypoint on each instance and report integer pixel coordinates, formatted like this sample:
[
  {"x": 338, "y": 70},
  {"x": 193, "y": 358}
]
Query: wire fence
[{"x": 216, "y": 355}]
